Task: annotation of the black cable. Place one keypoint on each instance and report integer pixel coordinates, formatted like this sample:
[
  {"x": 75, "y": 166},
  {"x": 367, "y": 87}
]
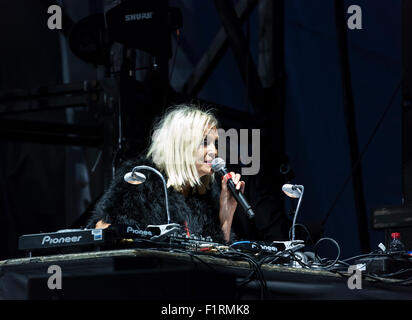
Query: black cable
[
  {"x": 367, "y": 255},
  {"x": 174, "y": 57},
  {"x": 405, "y": 281},
  {"x": 251, "y": 260},
  {"x": 243, "y": 242},
  {"x": 386, "y": 275},
  {"x": 250, "y": 278},
  {"x": 298, "y": 260},
  {"x": 362, "y": 153},
  {"x": 376, "y": 277},
  {"x": 304, "y": 227},
  {"x": 252, "y": 264},
  {"x": 272, "y": 258},
  {"x": 341, "y": 262},
  {"x": 331, "y": 266},
  {"x": 256, "y": 271},
  {"x": 192, "y": 255},
  {"x": 337, "y": 257}
]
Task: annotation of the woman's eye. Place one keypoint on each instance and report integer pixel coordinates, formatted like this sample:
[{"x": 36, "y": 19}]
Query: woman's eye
[{"x": 206, "y": 143}]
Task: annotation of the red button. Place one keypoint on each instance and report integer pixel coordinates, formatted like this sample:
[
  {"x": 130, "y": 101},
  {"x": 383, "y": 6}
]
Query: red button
[{"x": 395, "y": 235}]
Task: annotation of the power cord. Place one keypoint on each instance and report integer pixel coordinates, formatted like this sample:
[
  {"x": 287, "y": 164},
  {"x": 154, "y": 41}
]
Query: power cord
[{"x": 337, "y": 257}]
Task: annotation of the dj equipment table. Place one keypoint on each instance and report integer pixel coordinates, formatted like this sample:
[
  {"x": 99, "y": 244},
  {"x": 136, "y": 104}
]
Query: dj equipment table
[{"x": 153, "y": 274}]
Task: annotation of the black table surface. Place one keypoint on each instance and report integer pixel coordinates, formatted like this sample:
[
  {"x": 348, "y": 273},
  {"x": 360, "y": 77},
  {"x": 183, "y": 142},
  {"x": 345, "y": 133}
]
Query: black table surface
[{"x": 153, "y": 274}]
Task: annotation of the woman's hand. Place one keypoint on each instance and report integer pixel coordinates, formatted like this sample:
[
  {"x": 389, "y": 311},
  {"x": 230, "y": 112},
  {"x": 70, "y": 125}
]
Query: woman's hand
[
  {"x": 228, "y": 203},
  {"x": 102, "y": 225}
]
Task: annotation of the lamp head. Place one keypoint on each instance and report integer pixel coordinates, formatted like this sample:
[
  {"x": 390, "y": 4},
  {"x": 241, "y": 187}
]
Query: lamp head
[
  {"x": 292, "y": 190},
  {"x": 134, "y": 177}
]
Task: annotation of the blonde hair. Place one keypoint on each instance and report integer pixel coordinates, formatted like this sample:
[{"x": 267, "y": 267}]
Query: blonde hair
[{"x": 175, "y": 141}]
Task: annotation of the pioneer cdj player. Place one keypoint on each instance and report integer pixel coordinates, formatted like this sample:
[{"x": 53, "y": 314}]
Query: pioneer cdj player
[{"x": 122, "y": 236}]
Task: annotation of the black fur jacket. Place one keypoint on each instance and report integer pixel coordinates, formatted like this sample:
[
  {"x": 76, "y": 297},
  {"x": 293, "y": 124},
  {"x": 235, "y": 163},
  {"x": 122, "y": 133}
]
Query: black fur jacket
[{"x": 144, "y": 204}]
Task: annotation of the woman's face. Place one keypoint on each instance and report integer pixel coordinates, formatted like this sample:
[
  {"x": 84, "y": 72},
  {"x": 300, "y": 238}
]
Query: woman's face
[{"x": 206, "y": 152}]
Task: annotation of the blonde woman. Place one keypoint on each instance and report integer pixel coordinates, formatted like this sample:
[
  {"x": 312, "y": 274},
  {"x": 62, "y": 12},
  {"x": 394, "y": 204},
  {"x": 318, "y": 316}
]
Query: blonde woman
[{"x": 184, "y": 143}]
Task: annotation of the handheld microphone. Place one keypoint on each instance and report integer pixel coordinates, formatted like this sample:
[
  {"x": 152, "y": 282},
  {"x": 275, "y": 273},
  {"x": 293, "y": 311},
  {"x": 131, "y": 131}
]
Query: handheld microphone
[{"x": 219, "y": 166}]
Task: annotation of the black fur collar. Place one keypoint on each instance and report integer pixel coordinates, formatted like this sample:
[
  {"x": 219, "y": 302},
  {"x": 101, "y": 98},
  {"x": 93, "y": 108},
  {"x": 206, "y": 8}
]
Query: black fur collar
[{"x": 144, "y": 204}]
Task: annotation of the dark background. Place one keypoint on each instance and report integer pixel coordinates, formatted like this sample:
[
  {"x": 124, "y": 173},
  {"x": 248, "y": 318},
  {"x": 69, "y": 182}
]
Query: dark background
[{"x": 45, "y": 187}]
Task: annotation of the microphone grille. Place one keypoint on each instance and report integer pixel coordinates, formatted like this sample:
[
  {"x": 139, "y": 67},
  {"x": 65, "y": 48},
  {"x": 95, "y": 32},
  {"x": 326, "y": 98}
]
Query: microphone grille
[{"x": 218, "y": 164}]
